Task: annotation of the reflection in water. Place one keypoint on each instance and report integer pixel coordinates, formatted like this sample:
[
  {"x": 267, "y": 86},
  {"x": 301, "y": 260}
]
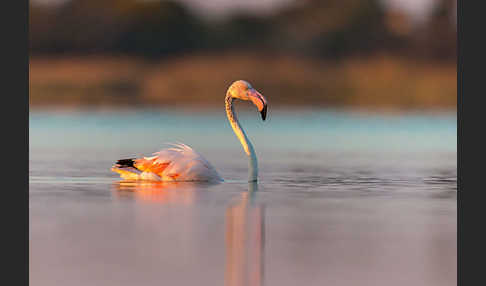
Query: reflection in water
[
  {"x": 158, "y": 192},
  {"x": 245, "y": 238},
  {"x": 244, "y": 228}
]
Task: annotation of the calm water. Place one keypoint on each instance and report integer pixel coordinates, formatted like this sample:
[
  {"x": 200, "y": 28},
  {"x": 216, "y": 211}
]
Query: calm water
[{"x": 343, "y": 199}]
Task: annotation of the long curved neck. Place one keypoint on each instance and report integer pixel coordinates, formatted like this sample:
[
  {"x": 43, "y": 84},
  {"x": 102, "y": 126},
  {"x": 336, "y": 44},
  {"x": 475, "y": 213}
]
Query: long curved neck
[{"x": 245, "y": 142}]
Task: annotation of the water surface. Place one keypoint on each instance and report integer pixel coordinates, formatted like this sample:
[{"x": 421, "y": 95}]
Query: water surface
[{"x": 343, "y": 199}]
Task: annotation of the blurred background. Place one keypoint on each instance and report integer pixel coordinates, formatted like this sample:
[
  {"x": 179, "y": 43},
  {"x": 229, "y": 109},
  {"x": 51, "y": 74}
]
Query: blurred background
[
  {"x": 344, "y": 197},
  {"x": 370, "y": 54}
]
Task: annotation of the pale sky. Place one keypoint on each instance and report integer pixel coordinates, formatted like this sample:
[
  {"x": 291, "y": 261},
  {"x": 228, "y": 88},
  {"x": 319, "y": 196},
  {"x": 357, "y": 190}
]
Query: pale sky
[{"x": 416, "y": 8}]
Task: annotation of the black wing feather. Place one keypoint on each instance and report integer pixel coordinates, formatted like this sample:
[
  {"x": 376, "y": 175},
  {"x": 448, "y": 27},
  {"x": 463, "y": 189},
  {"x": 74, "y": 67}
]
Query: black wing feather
[{"x": 124, "y": 163}]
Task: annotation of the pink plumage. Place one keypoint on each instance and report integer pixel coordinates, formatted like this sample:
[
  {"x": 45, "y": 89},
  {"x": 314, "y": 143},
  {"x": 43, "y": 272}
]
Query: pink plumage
[{"x": 177, "y": 163}]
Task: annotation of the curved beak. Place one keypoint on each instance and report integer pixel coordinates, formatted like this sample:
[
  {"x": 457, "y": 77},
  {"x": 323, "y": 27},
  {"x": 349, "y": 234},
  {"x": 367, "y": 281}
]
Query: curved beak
[
  {"x": 259, "y": 101},
  {"x": 264, "y": 112}
]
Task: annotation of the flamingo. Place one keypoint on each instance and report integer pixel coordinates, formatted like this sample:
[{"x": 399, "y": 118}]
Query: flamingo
[{"x": 182, "y": 163}]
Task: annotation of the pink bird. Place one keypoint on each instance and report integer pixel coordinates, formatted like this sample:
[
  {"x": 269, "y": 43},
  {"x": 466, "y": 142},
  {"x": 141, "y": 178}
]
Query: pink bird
[{"x": 182, "y": 163}]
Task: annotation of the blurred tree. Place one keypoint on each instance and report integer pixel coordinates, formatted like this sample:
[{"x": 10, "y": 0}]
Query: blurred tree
[
  {"x": 76, "y": 26},
  {"x": 241, "y": 31},
  {"x": 40, "y": 25},
  {"x": 333, "y": 28},
  {"x": 149, "y": 28},
  {"x": 159, "y": 28},
  {"x": 437, "y": 38},
  {"x": 321, "y": 29}
]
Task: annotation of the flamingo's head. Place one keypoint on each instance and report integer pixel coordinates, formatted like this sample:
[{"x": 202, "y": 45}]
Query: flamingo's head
[{"x": 243, "y": 90}]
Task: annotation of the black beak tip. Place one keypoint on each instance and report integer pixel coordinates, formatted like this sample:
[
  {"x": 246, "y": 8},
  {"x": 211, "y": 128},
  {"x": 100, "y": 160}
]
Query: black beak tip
[{"x": 264, "y": 112}]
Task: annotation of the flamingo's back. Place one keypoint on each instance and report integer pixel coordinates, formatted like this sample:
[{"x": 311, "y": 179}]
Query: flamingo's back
[{"x": 177, "y": 163}]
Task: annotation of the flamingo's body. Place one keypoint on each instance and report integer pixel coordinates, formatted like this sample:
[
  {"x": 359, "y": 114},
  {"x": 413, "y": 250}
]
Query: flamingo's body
[
  {"x": 182, "y": 163},
  {"x": 178, "y": 163}
]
